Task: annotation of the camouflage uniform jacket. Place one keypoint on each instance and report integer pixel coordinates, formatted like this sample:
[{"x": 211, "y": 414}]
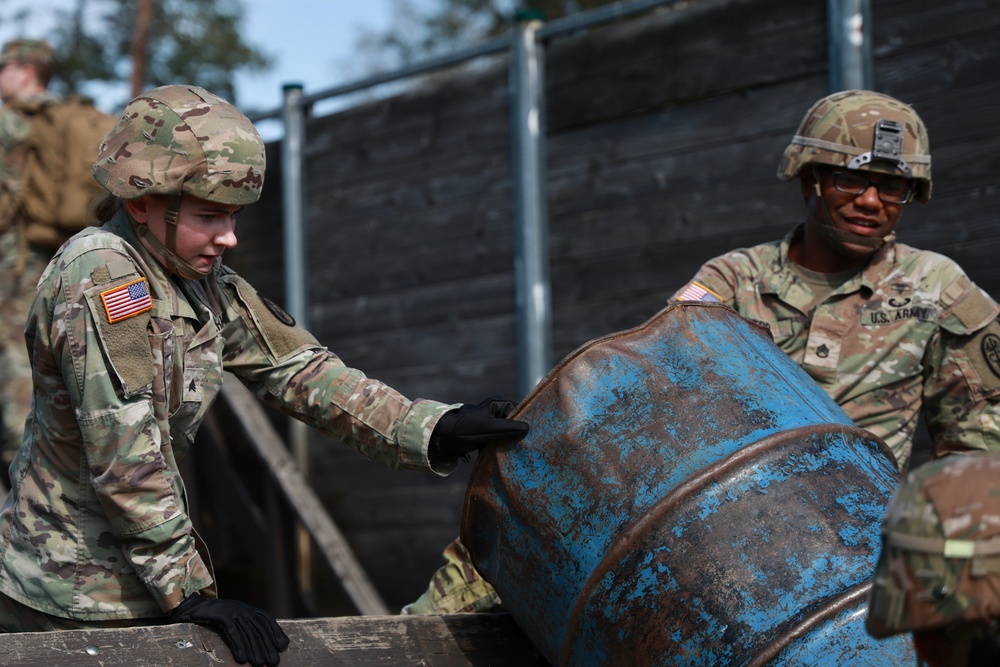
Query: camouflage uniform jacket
[
  {"x": 909, "y": 332},
  {"x": 96, "y": 525},
  {"x": 14, "y": 128},
  {"x": 15, "y": 125}
]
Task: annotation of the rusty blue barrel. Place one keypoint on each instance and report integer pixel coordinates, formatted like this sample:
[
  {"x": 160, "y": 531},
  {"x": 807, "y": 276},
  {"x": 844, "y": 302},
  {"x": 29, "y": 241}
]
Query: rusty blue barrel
[{"x": 687, "y": 496}]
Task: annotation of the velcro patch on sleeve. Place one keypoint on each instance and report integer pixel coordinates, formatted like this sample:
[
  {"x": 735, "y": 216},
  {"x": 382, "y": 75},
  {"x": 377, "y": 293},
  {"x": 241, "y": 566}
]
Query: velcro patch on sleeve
[
  {"x": 974, "y": 309},
  {"x": 280, "y": 333},
  {"x": 121, "y": 321},
  {"x": 127, "y": 300}
]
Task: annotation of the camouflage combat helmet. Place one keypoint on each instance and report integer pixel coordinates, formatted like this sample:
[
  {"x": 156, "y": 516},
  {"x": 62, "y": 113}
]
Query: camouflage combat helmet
[
  {"x": 940, "y": 561},
  {"x": 861, "y": 129},
  {"x": 177, "y": 140},
  {"x": 26, "y": 51},
  {"x": 181, "y": 140}
]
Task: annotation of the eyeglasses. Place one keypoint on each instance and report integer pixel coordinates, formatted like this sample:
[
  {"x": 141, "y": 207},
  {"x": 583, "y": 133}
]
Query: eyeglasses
[{"x": 890, "y": 190}]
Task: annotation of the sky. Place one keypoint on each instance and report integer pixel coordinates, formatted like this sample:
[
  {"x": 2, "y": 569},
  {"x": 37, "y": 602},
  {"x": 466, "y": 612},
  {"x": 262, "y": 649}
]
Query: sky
[{"x": 311, "y": 41}]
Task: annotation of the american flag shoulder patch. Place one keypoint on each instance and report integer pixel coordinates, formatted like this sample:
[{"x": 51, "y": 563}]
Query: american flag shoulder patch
[
  {"x": 128, "y": 300},
  {"x": 695, "y": 291}
]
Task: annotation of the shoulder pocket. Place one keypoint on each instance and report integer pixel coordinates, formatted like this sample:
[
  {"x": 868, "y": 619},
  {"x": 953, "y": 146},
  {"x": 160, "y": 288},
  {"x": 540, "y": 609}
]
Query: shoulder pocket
[
  {"x": 967, "y": 307},
  {"x": 121, "y": 311},
  {"x": 276, "y": 329},
  {"x": 972, "y": 315}
]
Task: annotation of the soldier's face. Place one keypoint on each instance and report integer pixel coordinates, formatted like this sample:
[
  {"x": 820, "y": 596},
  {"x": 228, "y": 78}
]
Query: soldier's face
[
  {"x": 204, "y": 229},
  {"x": 865, "y": 214},
  {"x": 13, "y": 78}
]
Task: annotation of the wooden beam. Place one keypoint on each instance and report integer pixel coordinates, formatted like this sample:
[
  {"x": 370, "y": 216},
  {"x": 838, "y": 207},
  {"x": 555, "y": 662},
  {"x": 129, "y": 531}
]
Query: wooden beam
[
  {"x": 265, "y": 440},
  {"x": 436, "y": 641}
]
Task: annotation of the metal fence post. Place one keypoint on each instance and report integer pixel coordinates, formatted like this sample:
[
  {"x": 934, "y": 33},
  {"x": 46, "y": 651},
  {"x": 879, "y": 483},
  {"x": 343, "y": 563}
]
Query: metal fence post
[
  {"x": 531, "y": 244},
  {"x": 850, "y": 54},
  {"x": 293, "y": 231},
  {"x": 292, "y": 203}
]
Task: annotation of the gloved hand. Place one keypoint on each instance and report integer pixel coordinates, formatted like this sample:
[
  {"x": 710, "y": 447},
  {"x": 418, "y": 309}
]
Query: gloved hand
[
  {"x": 251, "y": 633},
  {"x": 472, "y": 427}
]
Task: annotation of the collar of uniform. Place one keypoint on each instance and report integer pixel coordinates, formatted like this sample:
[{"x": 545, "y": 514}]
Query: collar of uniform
[
  {"x": 880, "y": 264},
  {"x": 778, "y": 276},
  {"x": 121, "y": 224},
  {"x": 166, "y": 301}
]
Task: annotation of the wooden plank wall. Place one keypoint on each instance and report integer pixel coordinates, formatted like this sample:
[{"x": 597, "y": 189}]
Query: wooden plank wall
[{"x": 663, "y": 140}]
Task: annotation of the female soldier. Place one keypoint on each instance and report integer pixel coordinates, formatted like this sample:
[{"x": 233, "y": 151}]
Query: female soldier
[{"x": 132, "y": 326}]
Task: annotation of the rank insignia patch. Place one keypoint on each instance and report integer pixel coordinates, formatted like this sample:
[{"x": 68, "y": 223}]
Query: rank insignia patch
[{"x": 126, "y": 300}]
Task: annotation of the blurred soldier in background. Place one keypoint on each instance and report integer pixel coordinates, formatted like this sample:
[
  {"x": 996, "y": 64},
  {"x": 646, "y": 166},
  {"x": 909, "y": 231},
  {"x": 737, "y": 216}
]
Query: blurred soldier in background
[
  {"x": 938, "y": 575},
  {"x": 25, "y": 70}
]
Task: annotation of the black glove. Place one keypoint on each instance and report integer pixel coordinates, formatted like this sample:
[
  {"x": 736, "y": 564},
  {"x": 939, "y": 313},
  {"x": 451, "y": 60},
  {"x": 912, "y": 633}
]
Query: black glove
[
  {"x": 251, "y": 633},
  {"x": 471, "y": 427}
]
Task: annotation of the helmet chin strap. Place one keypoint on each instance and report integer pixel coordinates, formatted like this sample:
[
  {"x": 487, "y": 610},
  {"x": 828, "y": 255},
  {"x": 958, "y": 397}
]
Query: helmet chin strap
[
  {"x": 167, "y": 251},
  {"x": 828, "y": 229}
]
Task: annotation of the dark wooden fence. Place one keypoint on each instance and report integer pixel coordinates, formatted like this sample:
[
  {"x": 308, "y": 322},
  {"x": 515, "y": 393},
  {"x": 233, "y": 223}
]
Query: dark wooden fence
[{"x": 664, "y": 134}]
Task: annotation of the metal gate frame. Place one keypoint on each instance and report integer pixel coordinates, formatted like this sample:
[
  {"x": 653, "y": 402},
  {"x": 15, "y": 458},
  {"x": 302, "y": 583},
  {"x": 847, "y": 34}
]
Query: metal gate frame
[{"x": 850, "y": 57}]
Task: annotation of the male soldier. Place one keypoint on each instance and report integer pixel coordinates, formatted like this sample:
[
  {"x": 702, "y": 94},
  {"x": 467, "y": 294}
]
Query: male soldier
[
  {"x": 885, "y": 329},
  {"x": 25, "y": 70},
  {"x": 938, "y": 575}
]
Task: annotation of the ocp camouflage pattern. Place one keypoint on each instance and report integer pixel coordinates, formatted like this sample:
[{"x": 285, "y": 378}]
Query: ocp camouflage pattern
[
  {"x": 182, "y": 139},
  {"x": 15, "y": 125},
  {"x": 910, "y": 332},
  {"x": 845, "y": 121},
  {"x": 14, "y": 128},
  {"x": 26, "y": 51},
  {"x": 954, "y": 498},
  {"x": 20, "y": 268},
  {"x": 456, "y": 587},
  {"x": 97, "y": 525}
]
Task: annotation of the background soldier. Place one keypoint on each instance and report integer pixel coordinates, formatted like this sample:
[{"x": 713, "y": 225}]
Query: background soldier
[
  {"x": 938, "y": 575},
  {"x": 25, "y": 70}
]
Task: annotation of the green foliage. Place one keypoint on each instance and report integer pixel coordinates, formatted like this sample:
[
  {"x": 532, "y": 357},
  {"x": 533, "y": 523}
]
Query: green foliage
[
  {"x": 193, "y": 41},
  {"x": 79, "y": 56}
]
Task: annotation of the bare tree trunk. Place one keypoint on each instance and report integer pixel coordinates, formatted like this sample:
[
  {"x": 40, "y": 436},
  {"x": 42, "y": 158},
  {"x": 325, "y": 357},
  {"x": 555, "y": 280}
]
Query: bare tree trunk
[
  {"x": 72, "y": 84},
  {"x": 140, "y": 39}
]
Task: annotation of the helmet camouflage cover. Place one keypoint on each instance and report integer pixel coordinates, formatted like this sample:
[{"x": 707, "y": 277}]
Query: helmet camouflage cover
[
  {"x": 940, "y": 560},
  {"x": 26, "y": 51},
  {"x": 182, "y": 140},
  {"x": 840, "y": 130}
]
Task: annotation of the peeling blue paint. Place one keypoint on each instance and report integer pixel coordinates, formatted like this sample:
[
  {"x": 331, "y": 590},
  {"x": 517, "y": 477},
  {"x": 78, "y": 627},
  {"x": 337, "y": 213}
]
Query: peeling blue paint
[{"x": 599, "y": 570}]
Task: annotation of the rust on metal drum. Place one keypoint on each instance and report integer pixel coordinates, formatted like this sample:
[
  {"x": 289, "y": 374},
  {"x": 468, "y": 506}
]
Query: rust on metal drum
[{"x": 687, "y": 496}]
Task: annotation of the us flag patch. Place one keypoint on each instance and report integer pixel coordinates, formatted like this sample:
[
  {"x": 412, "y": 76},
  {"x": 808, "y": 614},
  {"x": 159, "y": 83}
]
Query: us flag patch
[
  {"x": 698, "y": 292},
  {"x": 126, "y": 300}
]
